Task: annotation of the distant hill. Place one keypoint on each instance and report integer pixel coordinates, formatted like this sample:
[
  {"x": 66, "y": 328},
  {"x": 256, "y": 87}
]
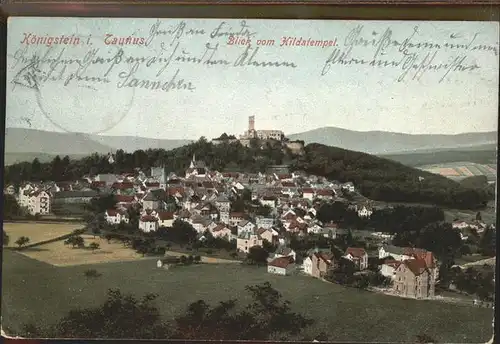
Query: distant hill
[
  {"x": 26, "y": 144},
  {"x": 12, "y": 158},
  {"x": 20, "y": 140},
  {"x": 133, "y": 143},
  {"x": 445, "y": 156},
  {"x": 380, "y": 142}
]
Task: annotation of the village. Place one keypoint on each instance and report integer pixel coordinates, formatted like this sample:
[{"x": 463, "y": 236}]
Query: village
[{"x": 289, "y": 203}]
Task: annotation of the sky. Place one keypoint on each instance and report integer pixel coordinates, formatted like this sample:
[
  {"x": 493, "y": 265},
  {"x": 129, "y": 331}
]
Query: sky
[{"x": 352, "y": 96}]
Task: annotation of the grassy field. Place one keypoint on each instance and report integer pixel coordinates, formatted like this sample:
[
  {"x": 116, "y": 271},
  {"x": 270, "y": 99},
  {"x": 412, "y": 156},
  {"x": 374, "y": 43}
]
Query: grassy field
[
  {"x": 58, "y": 254},
  {"x": 460, "y": 170},
  {"x": 31, "y": 287},
  {"x": 37, "y": 232}
]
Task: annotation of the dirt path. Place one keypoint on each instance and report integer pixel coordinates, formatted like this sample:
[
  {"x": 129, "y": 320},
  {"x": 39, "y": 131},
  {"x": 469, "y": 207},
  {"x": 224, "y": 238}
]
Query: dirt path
[
  {"x": 205, "y": 259},
  {"x": 489, "y": 261}
]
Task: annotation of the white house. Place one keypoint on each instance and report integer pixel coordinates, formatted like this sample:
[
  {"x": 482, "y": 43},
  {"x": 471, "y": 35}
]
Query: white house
[
  {"x": 246, "y": 226},
  {"x": 264, "y": 222},
  {"x": 358, "y": 256},
  {"x": 220, "y": 231},
  {"x": 269, "y": 201},
  {"x": 349, "y": 186},
  {"x": 148, "y": 223},
  {"x": 39, "y": 203},
  {"x": 114, "y": 216},
  {"x": 388, "y": 269},
  {"x": 365, "y": 212},
  {"x": 281, "y": 266},
  {"x": 247, "y": 240},
  {"x": 308, "y": 193},
  {"x": 395, "y": 252},
  {"x": 284, "y": 251},
  {"x": 307, "y": 265},
  {"x": 165, "y": 218}
]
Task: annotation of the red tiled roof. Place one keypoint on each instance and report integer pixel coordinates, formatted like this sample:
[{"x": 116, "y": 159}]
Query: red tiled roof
[
  {"x": 393, "y": 263},
  {"x": 219, "y": 227},
  {"x": 114, "y": 212},
  {"x": 124, "y": 198},
  {"x": 326, "y": 257},
  {"x": 237, "y": 215},
  {"x": 422, "y": 254},
  {"x": 97, "y": 184},
  {"x": 288, "y": 185},
  {"x": 148, "y": 218},
  {"x": 282, "y": 262},
  {"x": 260, "y": 231},
  {"x": 325, "y": 192},
  {"x": 208, "y": 185},
  {"x": 165, "y": 215},
  {"x": 284, "y": 176},
  {"x": 174, "y": 190},
  {"x": 122, "y": 186},
  {"x": 416, "y": 266},
  {"x": 152, "y": 185},
  {"x": 356, "y": 252},
  {"x": 307, "y": 190}
]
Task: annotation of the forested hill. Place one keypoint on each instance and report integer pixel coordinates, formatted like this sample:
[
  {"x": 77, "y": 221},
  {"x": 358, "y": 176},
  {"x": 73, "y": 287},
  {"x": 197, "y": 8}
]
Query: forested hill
[
  {"x": 387, "y": 180},
  {"x": 376, "y": 178}
]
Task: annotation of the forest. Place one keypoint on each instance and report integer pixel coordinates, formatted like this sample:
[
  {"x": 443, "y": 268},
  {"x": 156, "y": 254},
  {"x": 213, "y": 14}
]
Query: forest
[{"x": 376, "y": 178}]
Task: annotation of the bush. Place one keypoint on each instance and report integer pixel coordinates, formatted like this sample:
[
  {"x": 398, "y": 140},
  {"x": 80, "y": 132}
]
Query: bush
[
  {"x": 209, "y": 251},
  {"x": 92, "y": 273}
]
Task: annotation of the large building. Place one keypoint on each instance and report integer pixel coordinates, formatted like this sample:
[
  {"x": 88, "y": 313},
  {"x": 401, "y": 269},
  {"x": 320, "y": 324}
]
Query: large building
[{"x": 251, "y": 133}]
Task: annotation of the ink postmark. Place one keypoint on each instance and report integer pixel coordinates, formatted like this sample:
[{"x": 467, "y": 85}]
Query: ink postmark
[{"x": 61, "y": 76}]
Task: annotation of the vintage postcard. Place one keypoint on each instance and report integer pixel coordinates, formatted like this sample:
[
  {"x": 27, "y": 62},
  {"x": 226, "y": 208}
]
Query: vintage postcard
[{"x": 246, "y": 179}]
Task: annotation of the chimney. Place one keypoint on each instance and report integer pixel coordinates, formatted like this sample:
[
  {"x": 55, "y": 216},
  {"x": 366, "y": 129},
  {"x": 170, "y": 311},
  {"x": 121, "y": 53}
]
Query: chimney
[{"x": 251, "y": 123}]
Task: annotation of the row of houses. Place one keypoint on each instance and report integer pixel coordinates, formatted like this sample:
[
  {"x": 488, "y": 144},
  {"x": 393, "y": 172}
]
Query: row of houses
[{"x": 413, "y": 272}]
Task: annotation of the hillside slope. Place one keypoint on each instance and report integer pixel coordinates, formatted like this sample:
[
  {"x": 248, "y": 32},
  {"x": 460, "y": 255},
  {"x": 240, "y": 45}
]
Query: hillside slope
[{"x": 387, "y": 180}]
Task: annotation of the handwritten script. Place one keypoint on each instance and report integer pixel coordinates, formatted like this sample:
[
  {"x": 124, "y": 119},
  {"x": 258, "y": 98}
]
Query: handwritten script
[{"x": 157, "y": 57}]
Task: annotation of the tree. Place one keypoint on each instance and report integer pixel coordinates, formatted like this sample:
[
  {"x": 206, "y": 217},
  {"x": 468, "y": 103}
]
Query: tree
[
  {"x": 270, "y": 248},
  {"x": 11, "y": 208},
  {"x": 75, "y": 241},
  {"x": 22, "y": 241},
  {"x": 268, "y": 316},
  {"x": 121, "y": 316},
  {"x": 94, "y": 246},
  {"x": 96, "y": 231},
  {"x": 487, "y": 242},
  {"x": 92, "y": 273},
  {"x": 478, "y": 216},
  {"x": 6, "y": 239},
  {"x": 257, "y": 255}
]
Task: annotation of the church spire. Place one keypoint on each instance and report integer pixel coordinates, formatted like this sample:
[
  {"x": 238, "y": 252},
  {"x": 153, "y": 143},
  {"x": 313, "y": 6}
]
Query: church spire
[{"x": 193, "y": 161}]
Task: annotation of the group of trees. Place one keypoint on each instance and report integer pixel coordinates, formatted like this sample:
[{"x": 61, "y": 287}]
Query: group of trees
[
  {"x": 386, "y": 180},
  {"x": 344, "y": 273},
  {"x": 377, "y": 178},
  {"x": 11, "y": 208},
  {"x": 475, "y": 281},
  {"x": 267, "y": 317}
]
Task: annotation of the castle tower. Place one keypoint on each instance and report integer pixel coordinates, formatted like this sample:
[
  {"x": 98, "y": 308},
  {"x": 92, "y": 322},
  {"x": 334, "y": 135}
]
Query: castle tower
[{"x": 251, "y": 123}]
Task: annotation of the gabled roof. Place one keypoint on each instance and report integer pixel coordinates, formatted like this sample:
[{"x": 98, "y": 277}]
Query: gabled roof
[
  {"x": 122, "y": 186},
  {"x": 356, "y": 252},
  {"x": 416, "y": 266},
  {"x": 165, "y": 215},
  {"x": 281, "y": 262}
]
